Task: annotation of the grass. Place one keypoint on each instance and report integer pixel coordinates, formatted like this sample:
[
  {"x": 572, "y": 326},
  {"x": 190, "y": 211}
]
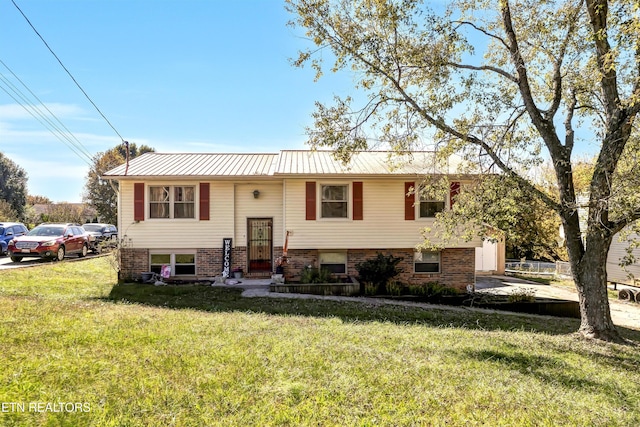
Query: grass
[{"x": 194, "y": 355}]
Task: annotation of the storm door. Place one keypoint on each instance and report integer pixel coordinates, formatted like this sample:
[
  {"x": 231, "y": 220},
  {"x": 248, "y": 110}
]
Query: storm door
[{"x": 260, "y": 244}]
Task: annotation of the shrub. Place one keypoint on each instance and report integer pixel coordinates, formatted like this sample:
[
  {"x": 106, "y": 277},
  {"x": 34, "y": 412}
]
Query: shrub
[
  {"x": 379, "y": 271},
  {"x": 394, "y": 288},
  {"x": 432, "y": 289},
  {"x": 522, "y": 295},
  {"x": 315, "y": 275},
  {"x": 370, "y": 289},
  {"x": 419, "y": 290}
]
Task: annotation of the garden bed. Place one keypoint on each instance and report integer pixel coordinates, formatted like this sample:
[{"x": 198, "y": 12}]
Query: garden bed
[{"x": 347, "y": 288}]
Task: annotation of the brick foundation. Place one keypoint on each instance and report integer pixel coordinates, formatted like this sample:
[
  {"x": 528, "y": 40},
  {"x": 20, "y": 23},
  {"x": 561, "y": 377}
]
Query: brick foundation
[
  {"x": 208, "y": 262},
  {"x": 132, "y": 263},
  {"x": 457, "y": 266}
]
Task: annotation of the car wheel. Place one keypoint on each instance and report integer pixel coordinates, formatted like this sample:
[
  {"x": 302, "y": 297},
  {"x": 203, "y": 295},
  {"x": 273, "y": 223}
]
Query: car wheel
[
  {"x": 16, "y": 258},
  {"x": 84, "y": 251},
  {"x": 60, "y": 254}
]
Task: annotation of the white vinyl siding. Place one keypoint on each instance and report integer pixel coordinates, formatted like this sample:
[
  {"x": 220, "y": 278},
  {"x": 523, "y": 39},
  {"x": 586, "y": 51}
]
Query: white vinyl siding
[
  {"x": 383, "y": 225},
  {"x": 231, "y": 203},
  {"x": 268, "y": 204},
  {"x": 615, "y": 273},
  {"x": 178, "y": 233}
]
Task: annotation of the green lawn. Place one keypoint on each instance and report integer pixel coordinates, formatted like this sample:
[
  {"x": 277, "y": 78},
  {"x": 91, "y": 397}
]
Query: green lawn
[{"x": 138, "y": 355}]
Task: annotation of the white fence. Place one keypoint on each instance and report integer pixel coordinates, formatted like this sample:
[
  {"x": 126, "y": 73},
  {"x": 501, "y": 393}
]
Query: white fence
[{"x": 538, "y": 268}]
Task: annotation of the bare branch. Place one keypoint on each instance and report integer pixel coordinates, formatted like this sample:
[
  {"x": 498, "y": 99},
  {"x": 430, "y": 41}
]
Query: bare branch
[
  {"x": 483, "y": 31},
  {"x": 496, "y": 70}
]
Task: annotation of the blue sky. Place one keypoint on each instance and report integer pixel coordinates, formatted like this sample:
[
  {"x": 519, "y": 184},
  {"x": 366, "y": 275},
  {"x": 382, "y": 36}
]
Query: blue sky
[{"x": 180, "y": 76}]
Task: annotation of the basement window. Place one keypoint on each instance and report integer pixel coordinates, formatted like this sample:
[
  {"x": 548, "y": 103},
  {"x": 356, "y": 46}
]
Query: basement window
[
  {"x": 335, "y": 262},
  {"x": 426, "y": 262}
]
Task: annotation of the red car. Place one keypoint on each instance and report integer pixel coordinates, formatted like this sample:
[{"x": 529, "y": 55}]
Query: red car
[{"x": 50, "y": 241}]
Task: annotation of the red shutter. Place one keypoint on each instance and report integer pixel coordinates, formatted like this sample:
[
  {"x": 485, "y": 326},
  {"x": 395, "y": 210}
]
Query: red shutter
[
  {"x": 310, "y": 201},
  {"x": 204, "y": 201},
  {"x": 454, "y": 190},
  {"x": 409, "y": 201},
  {"x": 138, "y": 201},
  {"x": 357, "y": 201}
]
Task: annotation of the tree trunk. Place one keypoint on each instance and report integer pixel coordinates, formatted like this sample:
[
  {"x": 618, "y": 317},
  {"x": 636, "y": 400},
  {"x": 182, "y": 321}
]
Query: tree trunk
[{"x": 590, "y": 276}]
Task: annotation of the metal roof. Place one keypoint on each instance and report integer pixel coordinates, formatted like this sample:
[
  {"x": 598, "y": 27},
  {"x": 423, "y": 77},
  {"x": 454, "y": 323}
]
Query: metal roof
[
  {"x": 196, "y": 164},
  {"x": 286, "y": 163}
]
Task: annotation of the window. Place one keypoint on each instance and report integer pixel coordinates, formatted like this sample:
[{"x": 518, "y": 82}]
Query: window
[
  {"x": 158, "y": 260},
  {"x": 426, "y": 262},
  {"x": 183, "y": 264},
  {"x": 335, "y": 262},
  {"x": 172, "y": 202},
  {"x": 334, "y": 201},
  {"x": 429, "y": 206}
]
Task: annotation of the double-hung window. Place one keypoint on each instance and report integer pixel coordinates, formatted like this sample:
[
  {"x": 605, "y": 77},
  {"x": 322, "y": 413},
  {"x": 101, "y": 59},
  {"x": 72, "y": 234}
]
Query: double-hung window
[
  {"x": 335, "y": 201},
  {"x": 172, "y": 201},
  {"x": 430, "y": 206}
]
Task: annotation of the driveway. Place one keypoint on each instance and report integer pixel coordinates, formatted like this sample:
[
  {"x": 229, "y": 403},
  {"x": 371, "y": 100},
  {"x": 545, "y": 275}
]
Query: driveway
[
  {"x": 6, "y": 263},
  {"x": 622, "y": 313}
]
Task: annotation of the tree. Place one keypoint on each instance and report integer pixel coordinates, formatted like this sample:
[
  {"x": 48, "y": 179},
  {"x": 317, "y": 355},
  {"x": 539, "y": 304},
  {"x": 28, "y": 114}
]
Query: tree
[
  {"x": 503, "y": 84},
  {"x": 38, "y": 200},
  {"x": 531, "y": 229},
  {"x": 13, "y": 185},
  {"x": 64, "y": 212},
  {"x": 103, "y": 195},
  {"x": 7, "y": 213}
]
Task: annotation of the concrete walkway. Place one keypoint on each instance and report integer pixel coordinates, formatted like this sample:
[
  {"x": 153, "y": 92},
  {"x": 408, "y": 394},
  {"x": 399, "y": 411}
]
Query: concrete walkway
[
  {"x": 626, "y": 314},
  {"x": 623, "y": 313}
]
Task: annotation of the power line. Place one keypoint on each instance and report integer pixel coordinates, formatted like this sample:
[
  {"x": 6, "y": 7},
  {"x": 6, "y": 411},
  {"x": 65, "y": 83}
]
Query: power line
[
  {"x": 67, "y": 134},
  {"x": 68, "y": 72},
  {"x": 41, "y": 117}
]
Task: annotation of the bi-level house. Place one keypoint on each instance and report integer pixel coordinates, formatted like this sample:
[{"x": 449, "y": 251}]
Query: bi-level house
[{"x": 205, "y": 214}]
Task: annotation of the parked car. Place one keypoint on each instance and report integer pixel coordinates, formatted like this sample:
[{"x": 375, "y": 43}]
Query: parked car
[
  {"x": 50, "y": 241},
  {"x": 101, "y": 235},
  {"x": 102, "y": 231},
  {"x": 9, "y": 230}
]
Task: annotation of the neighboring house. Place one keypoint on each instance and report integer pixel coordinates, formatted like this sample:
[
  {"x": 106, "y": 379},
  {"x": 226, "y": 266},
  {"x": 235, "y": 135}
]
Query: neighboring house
[
  {"x": 629, "y": 274},
  {"x": 177, "y": 209},
  {"x": 616, "y": 273}
]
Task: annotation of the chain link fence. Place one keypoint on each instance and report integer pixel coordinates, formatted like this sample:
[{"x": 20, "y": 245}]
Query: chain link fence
[{"x": 538, "y": 268}]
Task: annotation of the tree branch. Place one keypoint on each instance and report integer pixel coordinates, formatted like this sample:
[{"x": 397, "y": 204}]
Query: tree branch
[
  {"x": 619, "y": 225},
  {"x": 483, "y": 31},
  {"x": 557, "y": 67},
  {"x": 497, "y": 70}
]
